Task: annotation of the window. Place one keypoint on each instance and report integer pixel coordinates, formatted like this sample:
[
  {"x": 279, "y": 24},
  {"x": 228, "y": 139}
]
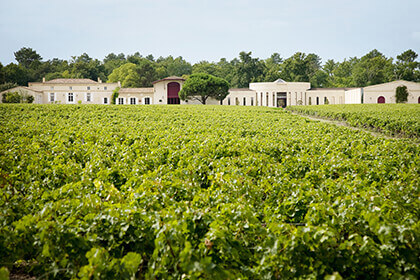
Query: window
[
  {"x": 133, "y": 101},
  {"x": 51, "y": 88},
  {"x": 317, "y": 100},
  {"x": 88, "y": 97},
  {"x": 70, "y": 97},
  {"x": 252, "y": 101},
  {"x": 71, "y": 88},
  {"x": 228, "y": 100},
  {"x": 147, "y": 101},
  {"x": 310, "y": 101},
  {"x": 52, "y": 97},
  {"x": 244, "y": 101},
  {"x": 88, "y": 88},
  {"x": 266, "y": 99},
  {"x": 105, "y": 88},
  {"x": 120, "y": 101},
  {"x": 105, "y": 100}
]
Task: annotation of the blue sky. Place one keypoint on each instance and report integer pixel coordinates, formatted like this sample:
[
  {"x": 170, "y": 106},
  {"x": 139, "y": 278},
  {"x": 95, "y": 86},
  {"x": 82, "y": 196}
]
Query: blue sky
[{"x": 208, "y": 29}]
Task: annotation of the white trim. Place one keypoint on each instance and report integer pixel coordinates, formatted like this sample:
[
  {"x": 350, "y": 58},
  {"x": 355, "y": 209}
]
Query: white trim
[
  {"x": 67, "y": 98},
  {"x": 144, "y": 100},
  {"x": 91, "y": 96},
  {"x": 135, "y": 100},
  {"x": 123, "y": 100}
]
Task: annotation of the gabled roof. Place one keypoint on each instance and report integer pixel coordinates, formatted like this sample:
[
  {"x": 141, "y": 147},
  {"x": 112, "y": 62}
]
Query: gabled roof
[
  {"x": 21, "y": 87},
  {"x": 241, "y": 89},
  {"x": 280, "y": 81},
  {"x": 171, "y": 78},
  {"x": 71, "y": 81},
  {"x": 394, "y": 82},
  {"x": 136, "y": 90},
  {"x": 337, "y": 88}
]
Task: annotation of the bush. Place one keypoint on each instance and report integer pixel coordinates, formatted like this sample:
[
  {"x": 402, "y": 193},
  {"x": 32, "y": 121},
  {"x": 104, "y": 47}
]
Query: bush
[
  {"x": 11, "y": 97},
  {"x": 401, "y": 94},
  {"x": 16, "y": 97}
]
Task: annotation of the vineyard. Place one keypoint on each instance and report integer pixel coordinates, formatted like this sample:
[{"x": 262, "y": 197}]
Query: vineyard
[
  {"x": 392, "y": 119},
  {"x": 203, "y": 192}
]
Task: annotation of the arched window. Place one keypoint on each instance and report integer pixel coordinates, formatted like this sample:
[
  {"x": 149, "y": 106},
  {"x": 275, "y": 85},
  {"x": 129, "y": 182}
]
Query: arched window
[{"x": 381, "y": 99}]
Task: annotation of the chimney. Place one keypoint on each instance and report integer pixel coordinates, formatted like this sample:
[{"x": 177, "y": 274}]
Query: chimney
[
  {"x": 99, "y": 80},
  {"x": 43, "y": 79}
]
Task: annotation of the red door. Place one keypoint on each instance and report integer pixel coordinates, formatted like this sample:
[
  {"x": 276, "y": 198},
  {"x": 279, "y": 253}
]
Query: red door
[
  {"x": 381, "y": 99},
  {"x": 173, "y": 89}
]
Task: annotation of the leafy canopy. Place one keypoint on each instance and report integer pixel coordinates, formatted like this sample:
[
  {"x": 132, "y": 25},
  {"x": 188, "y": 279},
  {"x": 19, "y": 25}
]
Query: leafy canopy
[{"x": 201, "y": 86}]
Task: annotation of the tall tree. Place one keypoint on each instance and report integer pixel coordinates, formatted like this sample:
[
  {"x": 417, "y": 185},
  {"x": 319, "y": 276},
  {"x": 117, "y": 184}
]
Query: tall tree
[
  {"x": 18, "y": 74},
  {"x": 132, "y": 75},
  {"x": 273, "y": 67},
  {"x": 113, "y": 61},
  {"x": 406, "y": 67},
  {"x": 301, "y": 67},
  {"x": 248, "y": 70},
  {"x": 373, "y": 68},
  {"x": 28, "y": 57}
]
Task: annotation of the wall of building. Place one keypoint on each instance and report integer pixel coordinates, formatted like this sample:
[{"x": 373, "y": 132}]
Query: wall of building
[
  {"x": 61, "y": 91},
  {"x": 243, "y": 97},
  {"x": 353, "y": 96},
  {"x": 387, "y": 90},
  {"x": 266, "y": 93},
  {"x": 161, "y": 91},
  {"x": 321, "y": 96}
]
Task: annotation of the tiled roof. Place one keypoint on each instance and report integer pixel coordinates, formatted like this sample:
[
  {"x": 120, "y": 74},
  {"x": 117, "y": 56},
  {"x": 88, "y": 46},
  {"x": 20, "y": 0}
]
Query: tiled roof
[
  {"x": 171, "y": 78},
  {"x": 342, "y": 88},
  {"x": 135, "y": 90},
  {"x": 240, "y": 89},
  {"x": 71, "y": 81},
  {"x": 23, "y": 87}
]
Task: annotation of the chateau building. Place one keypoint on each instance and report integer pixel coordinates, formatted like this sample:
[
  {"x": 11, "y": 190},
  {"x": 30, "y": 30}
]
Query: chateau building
[{"x": 165, "y": 91}]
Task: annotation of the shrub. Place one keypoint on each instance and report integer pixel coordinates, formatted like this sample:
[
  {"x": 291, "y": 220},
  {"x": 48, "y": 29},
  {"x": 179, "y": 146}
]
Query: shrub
[{"x": 401, "y": 94}]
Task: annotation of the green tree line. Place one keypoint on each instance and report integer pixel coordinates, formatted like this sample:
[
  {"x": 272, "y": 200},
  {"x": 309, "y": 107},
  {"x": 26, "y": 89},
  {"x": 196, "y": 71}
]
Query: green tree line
[{"x": 137, "y": 70}]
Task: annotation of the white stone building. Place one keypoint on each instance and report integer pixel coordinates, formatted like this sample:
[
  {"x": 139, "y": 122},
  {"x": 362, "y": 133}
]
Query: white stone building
[{"x": 165, "y": 91}]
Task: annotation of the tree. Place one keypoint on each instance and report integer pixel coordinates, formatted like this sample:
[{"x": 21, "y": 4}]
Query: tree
[
  {"x": 407, "y": 68},
  {"x": 401, "y": 94},
  {"x": 28, "y": 57},
  {"x": 301, "y": 67},
  {"x": 273, "y": 67},
  {"x": 201, "y": 86},
  {"x": 18, "y": 74},
  {"x": 6, "y": 86},
  {"x": 86, "y": 67},
  {"x": 113, "y": 61},
  {"x": 132, "y": 75},
  {"x": 248, "y": 70},
  {"x": 373, "y": 68}
]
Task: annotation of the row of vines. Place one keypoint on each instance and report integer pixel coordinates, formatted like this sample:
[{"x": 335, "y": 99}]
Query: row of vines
[
  {"x": 392, "y": 119},
  {"x": 202, "y": 192}
]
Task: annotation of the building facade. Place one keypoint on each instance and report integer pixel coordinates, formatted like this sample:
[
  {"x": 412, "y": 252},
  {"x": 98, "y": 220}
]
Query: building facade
[{"x": 165, "y": 91}]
